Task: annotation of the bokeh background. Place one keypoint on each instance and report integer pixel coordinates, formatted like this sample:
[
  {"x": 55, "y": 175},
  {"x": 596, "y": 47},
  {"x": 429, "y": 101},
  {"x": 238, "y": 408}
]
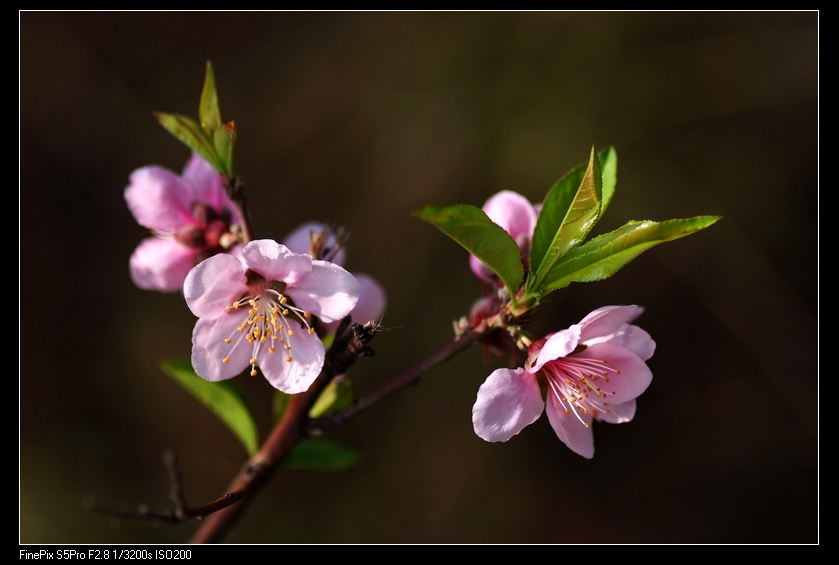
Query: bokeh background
[{"x": 359, "y": 118}]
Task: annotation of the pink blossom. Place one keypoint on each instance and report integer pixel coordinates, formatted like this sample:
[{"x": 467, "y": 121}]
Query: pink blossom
[
  {"x": 256, "y": 311},
  {"x": 323, "y": 242},
  {"x": 190, "y": 216},
  {"x": 594, "y": 370},
  {"x": 517, "y": 216}
]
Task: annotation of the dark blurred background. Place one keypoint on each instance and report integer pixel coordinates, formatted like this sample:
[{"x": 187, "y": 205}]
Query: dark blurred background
[{"x": 360, "y": 118}]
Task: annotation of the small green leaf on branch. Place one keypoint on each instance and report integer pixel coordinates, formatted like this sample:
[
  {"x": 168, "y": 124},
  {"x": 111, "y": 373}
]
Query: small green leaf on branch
[{"x": 222, "y": 398}]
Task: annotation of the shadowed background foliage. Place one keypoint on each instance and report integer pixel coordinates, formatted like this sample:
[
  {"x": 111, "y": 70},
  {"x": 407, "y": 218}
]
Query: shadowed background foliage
[{"x": 360, "y": 118}]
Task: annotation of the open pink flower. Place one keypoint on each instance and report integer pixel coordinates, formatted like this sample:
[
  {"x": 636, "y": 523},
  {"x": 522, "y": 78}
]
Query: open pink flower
[
  {"x": 323, "y": 242},
  {"x": 594, "y": 370},
  {"x": 517, "y": 216},
  {"x": 190, "y": 216},
  {"x": 256, "y": 310}
]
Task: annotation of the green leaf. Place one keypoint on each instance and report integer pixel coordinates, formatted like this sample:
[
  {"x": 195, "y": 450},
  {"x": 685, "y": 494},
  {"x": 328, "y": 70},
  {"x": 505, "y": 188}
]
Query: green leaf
[
  {"x": 191, "y": 135},
  {"x": 224, "y": 139},
  {"x": 337, "y": 395},
  {"x": 609, "y": 172},
  {"x": 320, "y": 455},
  {"x": 602, "y": 256},
  {"x": 222, "y": 398},
  {"x": 480, "y": 236},
  {"x": 569, "y": 211},
  {"x": 208, "y": 109}
]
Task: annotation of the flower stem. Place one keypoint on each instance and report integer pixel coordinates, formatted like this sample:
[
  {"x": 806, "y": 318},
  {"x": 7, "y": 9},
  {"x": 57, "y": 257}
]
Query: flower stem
[{"x": 296, "y": 425}]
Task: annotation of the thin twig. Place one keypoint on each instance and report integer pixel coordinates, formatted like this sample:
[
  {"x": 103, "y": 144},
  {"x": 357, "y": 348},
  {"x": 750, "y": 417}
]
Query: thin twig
[
  {"x": 176, "y": 492},
  {"x": 409, "y": 378}
]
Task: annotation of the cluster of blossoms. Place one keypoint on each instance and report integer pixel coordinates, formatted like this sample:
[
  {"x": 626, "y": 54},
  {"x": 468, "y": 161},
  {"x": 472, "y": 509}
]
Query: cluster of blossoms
[
  {"x": 593, "y": 370},
  {"x": 266, "y": 305},
  {"x": 258, "y": 305},
  {"x": 190, "y": 216}
]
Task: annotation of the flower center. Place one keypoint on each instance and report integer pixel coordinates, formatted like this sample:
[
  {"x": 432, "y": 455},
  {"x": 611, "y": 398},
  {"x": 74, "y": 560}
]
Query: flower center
[
  {"x": 210, "y": 234},
  {"x": 266, "y": 327},
  {"x": 580, "y": 384}
]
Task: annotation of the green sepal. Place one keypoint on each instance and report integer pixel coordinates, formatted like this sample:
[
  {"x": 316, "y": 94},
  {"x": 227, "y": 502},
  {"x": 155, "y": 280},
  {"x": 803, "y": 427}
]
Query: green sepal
[
  {"x": 602, "y": 256},
  {"x": 320, "y": 455},
  {"x": 471, "y": 228},
  {"x": 209, "y": 113},
  {"x": 222, "y": 398},
  {"x": 569, "y": 212}
]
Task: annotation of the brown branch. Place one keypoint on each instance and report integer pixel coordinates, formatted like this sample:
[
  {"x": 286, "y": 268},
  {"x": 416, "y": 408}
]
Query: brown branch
[
  {"x": 222, "y": 513},
  {"x": 176, "y": 492},
  {"x": 290, "y": 429},
  {"x": 255, "y": 473}
]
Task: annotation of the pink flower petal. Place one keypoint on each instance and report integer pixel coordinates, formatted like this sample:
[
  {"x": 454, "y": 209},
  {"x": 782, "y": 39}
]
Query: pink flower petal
[
  {"x": 570, "y": 427},
  {"x": 209, "y": 348},
  {"x": 605, "y": 321},
  {"x": 481, "y": 270},
  {"x": 635, "y": 340},
  {"x": 215, "y": 284},
  {"x": 160, "y": 264},
  {"x": 299, "y": 241},
  {"x": 508, "y": 401},
  {"x": 634, "y": 377},
  {"x": 372, "y": 300},
  {"x": 205, "y": 184},
  {"x": 328, "y": 291},
  {"x": 294, "y": 376},
  {"x": 275, "y": 261},
  {"x": 513, "y": 212},
  {"x": 159, "y": 199},
  {"x": 560, "y": 344},
  {"x": 618, "y": 414}
]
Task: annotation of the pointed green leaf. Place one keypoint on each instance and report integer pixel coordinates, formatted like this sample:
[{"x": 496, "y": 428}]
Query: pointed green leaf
[
  {"x": 569, "y": 211},
  {"x": 222, "y": 398},
  {"x": 191, "y": 135},
  {"x": 208, "y": 109},
  {"x": 609, "y": 172},
  {"x": 602, "y": 256},
  {"x": 224, "y": 138},
  {"x": 320, "y": 455},
  {"x": 480, "y": 236}
]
